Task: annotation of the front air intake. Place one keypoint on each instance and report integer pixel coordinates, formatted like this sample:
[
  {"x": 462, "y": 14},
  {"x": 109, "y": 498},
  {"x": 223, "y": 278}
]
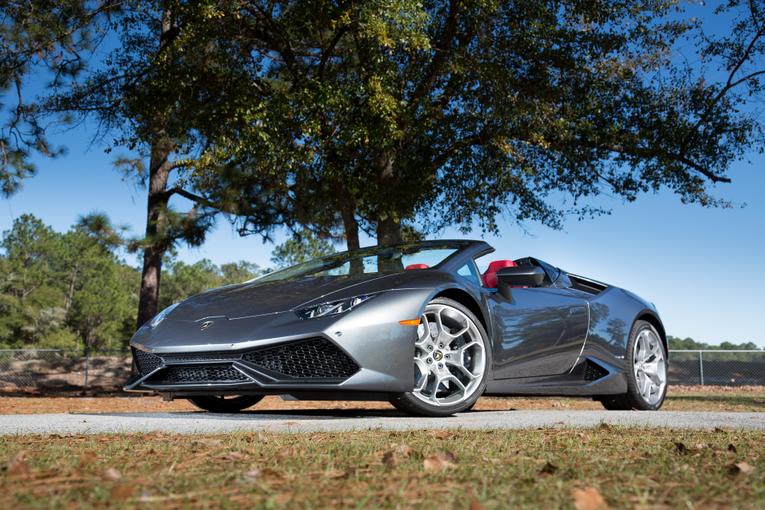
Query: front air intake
[
  {"x": 146, "y": 361},
  {"x": 198, "y": 374},
  {"x": 315, "y": 358}
]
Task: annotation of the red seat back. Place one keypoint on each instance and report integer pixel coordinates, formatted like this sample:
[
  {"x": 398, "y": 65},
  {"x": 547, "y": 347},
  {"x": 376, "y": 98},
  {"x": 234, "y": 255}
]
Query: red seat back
[
  {"x": 416, "y": 266},
  {"x": 490, "y": 276}
]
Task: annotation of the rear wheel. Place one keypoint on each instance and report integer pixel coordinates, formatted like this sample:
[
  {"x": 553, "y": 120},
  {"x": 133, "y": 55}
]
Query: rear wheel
[
  {"x": 225, "y": 404},
  {"x": 647, "y": 373},
  {"x": 451, "y": 361}
]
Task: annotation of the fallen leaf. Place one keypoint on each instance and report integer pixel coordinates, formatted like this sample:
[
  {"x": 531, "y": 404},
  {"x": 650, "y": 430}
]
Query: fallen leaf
[
  {"x": 474, "y": 503},
  {"x": 283, "y": 498},
  {"x": 336, "y": 474},
  {"x": 122, "y": 491},
  {"x": 588, "y": 498},
  {"x": 548, "y": 469},
  {"x": 732, "y": 448},
  {"x": 270, "y": 475},
  {"x": 233, "y": 456},
  {"x": 681, "y": 448},
  {"x": 18, "y": 466},
  {"x": 252, "y": 474},
  {"x": 740, "y": 467},
  {"x": 112, "y": 474},
  {"x": 88, "y": 458},
  {"x": 439, "y": 461},
  {"x": 392, "y": 457},
  {"x": 441, "y": 434},
  {"x": 700, "y": 446}
]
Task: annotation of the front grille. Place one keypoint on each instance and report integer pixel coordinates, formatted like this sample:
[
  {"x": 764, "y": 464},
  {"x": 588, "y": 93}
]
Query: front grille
[
  {"x": 315, "y": 358},
  {"x": 146, "y": 361},
  {"x": 199, "y": 374}
]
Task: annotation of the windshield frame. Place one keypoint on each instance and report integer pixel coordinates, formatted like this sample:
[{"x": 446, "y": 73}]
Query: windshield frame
[{"x": 309, "y": 268}]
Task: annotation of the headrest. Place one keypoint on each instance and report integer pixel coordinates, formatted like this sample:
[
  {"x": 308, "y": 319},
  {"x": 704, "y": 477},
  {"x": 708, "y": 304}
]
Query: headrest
[{"x": 490, "y": 276}]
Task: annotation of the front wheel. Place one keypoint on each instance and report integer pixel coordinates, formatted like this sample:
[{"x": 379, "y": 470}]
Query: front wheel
[
  {"x": 451, "y": 361},
  {"x": 225, "y": 404},
  {"x": 646, "y": 372}
]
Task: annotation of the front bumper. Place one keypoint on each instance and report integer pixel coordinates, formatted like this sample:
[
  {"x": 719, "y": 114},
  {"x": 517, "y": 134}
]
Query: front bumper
[{"x": 365, "y": 350}]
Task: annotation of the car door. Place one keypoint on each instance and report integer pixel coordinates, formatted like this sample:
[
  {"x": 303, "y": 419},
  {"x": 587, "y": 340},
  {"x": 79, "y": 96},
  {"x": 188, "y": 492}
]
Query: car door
[{"x": 539, "y": 331}]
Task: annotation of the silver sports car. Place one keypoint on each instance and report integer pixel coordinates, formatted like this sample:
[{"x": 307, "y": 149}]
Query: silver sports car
[{"x": 416, "y": 324}]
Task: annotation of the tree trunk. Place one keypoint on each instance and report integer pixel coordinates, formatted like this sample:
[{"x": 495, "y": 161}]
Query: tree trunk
[
  {"x": 159, "y": 171},
  {"x": 388, "y": 232},
  {"x": 351, "y": 227}
]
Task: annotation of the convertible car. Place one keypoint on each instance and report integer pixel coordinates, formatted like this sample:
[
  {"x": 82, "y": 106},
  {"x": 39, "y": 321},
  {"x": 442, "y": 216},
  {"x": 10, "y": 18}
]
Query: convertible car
[{"x": 416, "y": 324}]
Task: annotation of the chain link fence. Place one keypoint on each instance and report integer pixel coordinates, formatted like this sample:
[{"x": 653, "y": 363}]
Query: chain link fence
[
  {"x": 717, "y": 367},
  {"x": 54, "y": 370}
]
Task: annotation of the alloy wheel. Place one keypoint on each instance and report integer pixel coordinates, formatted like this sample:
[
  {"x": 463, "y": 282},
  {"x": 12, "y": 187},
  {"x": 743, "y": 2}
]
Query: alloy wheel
[
  {"x": 650, "y": 366},
  {"x": 450, "y": 356}
]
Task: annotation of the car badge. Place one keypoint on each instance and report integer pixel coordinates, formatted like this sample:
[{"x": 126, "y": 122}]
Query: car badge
[{"x": 205, "y": 325}]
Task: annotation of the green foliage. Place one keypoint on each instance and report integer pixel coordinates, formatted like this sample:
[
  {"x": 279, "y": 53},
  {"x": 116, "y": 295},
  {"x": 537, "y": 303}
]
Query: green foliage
[
  {"x": 41, "y": 38},
  {"x": 453, "y": 113},
  {"x": 183, "y": 280},
  {"x": 303, "y": 247},
  {"x": 63, "y": 289},
  {"x": 691, "y": 344}
]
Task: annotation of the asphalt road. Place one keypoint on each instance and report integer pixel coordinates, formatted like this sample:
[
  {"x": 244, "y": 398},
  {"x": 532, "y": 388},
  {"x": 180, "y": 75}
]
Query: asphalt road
[{"x": 311, "y": 421}]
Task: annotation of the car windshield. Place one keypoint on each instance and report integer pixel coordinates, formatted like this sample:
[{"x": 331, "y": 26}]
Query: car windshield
[{"x": 370, "y": 261}]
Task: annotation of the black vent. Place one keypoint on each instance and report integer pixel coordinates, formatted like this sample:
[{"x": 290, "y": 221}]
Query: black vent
[
  {"x": 146, "y": 361},
  {"x": 199, "y": 374},
  {"x": 316, "y": 358},
  {"x": 593, "y": 371},
  {"x": 183, "y": 357}
]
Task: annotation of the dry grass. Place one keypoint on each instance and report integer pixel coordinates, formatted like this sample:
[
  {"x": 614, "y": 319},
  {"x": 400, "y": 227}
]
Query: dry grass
[
  {"x": 681, "y": 398},
  {"x": 550, "y": 468}
]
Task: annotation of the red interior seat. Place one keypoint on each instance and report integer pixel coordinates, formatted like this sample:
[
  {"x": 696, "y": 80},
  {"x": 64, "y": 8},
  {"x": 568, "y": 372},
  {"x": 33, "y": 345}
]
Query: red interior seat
[
  {"x": 416, "y": 266},
  {"x": 490, "y": 276}
]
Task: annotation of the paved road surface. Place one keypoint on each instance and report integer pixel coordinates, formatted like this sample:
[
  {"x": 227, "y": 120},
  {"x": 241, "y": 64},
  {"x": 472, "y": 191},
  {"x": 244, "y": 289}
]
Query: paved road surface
[{"x": 305, "y": 421}]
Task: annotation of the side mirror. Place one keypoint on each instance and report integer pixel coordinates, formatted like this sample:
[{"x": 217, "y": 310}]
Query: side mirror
[{"x": 520, "y": 276}]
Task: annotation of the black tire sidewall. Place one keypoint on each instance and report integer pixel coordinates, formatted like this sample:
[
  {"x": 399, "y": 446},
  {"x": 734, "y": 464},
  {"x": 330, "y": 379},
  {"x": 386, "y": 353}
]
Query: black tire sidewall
[{"x": 409, "y": 403}]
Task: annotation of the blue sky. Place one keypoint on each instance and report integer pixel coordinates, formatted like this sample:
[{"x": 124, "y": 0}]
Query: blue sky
[{"x": 703, "y": 268}]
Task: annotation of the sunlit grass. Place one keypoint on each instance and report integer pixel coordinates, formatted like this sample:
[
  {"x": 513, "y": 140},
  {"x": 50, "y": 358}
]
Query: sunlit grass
[{"x": 629, "y": 467}]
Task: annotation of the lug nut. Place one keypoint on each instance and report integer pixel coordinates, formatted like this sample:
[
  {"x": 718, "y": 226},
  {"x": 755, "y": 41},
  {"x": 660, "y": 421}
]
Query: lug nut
[
  {"x": 429, "y": 360},
  {"x": 440, "y": 365},
  {"x": 441, "y": 345},
  {"x": 430, "y": 347}
]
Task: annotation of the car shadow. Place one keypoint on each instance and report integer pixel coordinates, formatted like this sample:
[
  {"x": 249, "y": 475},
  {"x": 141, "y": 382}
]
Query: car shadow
[{"x": 297, "y": 414}]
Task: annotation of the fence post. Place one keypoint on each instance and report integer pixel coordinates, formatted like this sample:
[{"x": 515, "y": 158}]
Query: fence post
[
  {"x": 87, "y": 357},
  {"x": 701, "y": 369}
]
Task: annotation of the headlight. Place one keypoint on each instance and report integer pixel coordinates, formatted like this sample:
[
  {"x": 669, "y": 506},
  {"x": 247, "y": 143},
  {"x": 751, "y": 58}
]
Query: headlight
[
  {"x": 333, "y": 307},
  {"x": 161, "y": 315}
]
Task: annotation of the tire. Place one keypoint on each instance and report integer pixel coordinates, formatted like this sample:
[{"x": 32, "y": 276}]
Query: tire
[
  {"x": 222, "y": 404},
  {"x": 642, "y": 334},
  {"x": 442, "y": 388}
]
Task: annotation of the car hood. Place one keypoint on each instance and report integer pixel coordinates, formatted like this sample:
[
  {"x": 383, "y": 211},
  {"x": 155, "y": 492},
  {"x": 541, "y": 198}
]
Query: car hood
[{"x": 261, "y": 298}]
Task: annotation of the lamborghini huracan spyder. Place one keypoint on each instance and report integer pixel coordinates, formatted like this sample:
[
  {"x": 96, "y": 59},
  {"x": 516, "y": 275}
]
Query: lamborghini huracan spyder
[{"x": 416, "y": 324}]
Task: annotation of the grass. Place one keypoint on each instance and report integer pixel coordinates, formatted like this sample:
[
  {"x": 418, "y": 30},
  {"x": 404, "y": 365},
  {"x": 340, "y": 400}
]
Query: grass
[{"x": 549, "y": 468}]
